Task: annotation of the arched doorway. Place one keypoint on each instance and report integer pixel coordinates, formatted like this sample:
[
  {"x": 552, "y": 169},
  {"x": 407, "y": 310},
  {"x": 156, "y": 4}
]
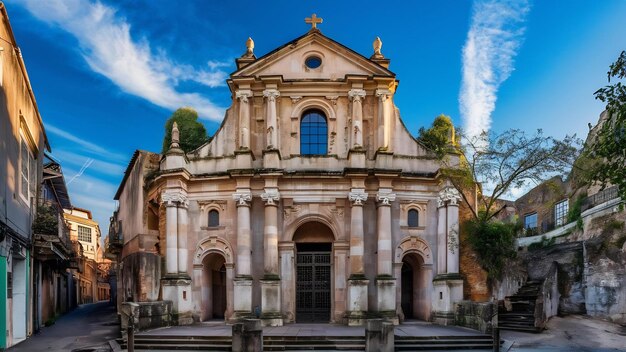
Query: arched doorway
[
  {"x": 213, "y": 287},
  {"x": 313, "y": 272},
  {"x": 415, "y": 288}
]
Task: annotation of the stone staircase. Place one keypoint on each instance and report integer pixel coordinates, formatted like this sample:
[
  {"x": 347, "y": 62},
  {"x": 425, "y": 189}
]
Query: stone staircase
[
  {"x": 522, "y": 315},
  {"x": 309, "y": 343},
  {"x": 443, "y": 343}
]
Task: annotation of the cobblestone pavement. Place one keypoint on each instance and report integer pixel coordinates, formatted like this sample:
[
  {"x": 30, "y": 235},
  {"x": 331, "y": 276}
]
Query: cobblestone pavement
[{"x": 86, "y": 328}]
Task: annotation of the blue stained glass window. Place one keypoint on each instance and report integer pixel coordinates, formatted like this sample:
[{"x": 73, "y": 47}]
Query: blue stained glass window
[{"x": 313, "y": 133}]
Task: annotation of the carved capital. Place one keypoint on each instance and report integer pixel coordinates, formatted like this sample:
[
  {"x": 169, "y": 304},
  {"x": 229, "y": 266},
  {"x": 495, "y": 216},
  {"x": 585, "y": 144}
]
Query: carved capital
[
  {"x": 448, "y": 195},
  {"x": 271, "y": 94},
  {"x": 243, "y": 95},
  {"x": 243, "y": 198},
  {"x": 357, "y": 196},
  {"x": 270, "y": 197},
  {"x": 356, "y": 95},
  {"x": 383, "y": 94},
  {"x": 295, "y": 98},
  {"x": 174, "y": 198},
  {"x": 385, "y": 197},
  {"x": 333, "y": 99}
]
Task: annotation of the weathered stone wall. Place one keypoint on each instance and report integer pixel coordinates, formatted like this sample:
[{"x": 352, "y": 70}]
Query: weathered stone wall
[
  {"x": 475, "y": 315},
  {"x": 605, "y": 269},
  {"x": 140, "y": 275}
]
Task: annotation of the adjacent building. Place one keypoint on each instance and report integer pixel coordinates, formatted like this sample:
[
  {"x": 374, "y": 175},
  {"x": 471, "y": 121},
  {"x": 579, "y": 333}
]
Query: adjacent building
[
  {"x": 91, "y": 273},
  {"x": 22, "y": 147},
  {"x": 311, "y": 203}
]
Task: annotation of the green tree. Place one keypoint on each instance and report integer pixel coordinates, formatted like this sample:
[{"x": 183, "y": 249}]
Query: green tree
[
  {"x": 192, "y": 132},
  {"x": 494, "y": 164},
  {"x": 501, "y": 162},
  {"x": 607, "y": 148},
  {"x": 439, "y": 137}
]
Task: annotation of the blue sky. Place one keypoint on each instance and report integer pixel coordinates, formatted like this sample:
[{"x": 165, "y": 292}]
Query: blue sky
[{"x": 108, "y": 74}]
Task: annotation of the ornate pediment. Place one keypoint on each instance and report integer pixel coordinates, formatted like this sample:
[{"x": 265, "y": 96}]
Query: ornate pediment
[{"x": 290, "y": 61}]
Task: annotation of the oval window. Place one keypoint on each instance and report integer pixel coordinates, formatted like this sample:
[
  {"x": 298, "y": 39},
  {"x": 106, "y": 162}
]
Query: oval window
[{"x": 313, "y": 62}]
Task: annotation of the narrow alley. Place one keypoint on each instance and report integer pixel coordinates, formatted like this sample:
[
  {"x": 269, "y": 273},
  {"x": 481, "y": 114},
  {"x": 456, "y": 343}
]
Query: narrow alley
[{"x": 86, "y": 328}]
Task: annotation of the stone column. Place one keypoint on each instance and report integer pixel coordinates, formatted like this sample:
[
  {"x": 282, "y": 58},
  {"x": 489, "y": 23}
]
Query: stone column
[
  {"x": 243, "y": 279},
  {"x": 453, "y": 237},
  {"x": 442, "y": 253},
  {"x": 183, "y": 252},
  {"x": 448, "y": 284},
  {"x": 356, "y": 95},
  {"x": 176, "y": 284},
  {"x": 244, "y": 118},
  {"x": 357, "y": 283},
  {"x": 288, "y": 277},
  {"x": 385, "y": 282},
  {"x": 171, "y": 233},
  {"x": 270, "y": 285},
  {"x": 272, "y": 133},
  {"x": 384, "y": 113}
]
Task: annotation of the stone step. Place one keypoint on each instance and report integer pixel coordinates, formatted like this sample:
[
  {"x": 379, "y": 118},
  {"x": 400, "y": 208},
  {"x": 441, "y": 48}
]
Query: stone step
[
  {"x": 443, "y": 347},
  {"x": 520, "y": 328},
  {"x": 453, "y": 337}
]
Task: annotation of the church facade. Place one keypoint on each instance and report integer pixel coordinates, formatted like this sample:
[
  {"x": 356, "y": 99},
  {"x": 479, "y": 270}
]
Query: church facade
[{"x": 311, "y": 203}]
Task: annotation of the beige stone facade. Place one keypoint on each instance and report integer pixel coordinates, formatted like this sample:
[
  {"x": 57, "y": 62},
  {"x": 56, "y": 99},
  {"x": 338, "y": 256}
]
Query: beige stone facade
[{"x": 312, "y": 202}]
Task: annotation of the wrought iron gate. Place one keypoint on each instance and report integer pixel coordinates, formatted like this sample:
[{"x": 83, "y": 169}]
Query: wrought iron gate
[{"x": 313, "y": 287}]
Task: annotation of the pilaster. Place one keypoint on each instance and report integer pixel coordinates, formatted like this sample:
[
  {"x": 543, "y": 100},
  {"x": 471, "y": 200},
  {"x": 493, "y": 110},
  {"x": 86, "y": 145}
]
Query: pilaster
[
  {"x": 357, "y": 283},
  {"x": 243, "y": 279},
  {"x": 271, "y": 284}
]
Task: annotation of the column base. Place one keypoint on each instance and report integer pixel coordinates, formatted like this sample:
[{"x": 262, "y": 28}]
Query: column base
[
  {"x": 271, "y": 159},
  {"x": 242, "y": 297},
  {"x": 270, "y": 303},
  {"x": 356, "y": 158},
  {"x": 244, "y": 158},
  {"x": 447, "y": 290},
  {"x": 386, "y": 299},
  {"x": 357, "y": 302},
  {"x": 178, "y": 291}
]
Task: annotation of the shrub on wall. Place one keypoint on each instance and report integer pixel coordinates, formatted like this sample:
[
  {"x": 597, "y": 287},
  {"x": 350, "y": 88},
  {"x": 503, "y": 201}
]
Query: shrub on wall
[{"x": 493, "y": 242}]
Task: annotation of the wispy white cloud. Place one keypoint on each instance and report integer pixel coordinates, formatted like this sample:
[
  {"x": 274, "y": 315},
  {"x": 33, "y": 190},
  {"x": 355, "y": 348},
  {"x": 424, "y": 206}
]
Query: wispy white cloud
[
  {"x": 495, "y": 35},
  {"x": 85, "y": 145},
  {"x": 96, "y": 195},
  {"x": 108, "y": 48},
  {"x": 98, "y": 166}
]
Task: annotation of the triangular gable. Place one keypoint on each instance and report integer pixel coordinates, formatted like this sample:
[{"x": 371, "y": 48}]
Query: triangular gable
[{"x": 288, "y": 60}]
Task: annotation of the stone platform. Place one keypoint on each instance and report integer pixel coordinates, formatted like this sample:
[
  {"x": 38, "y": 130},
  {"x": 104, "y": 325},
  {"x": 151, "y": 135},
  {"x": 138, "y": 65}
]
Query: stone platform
[{"x": 219, "y": 328}]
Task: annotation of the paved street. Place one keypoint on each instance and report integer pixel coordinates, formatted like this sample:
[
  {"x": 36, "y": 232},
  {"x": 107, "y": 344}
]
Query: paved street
[
  {"x": 572, "y": 333},
  {"x": 86, "y": 328}
]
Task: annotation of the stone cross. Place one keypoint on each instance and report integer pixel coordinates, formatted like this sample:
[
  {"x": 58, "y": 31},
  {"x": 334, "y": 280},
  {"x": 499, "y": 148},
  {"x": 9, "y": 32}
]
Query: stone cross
[{"x": 313, "y": 21}]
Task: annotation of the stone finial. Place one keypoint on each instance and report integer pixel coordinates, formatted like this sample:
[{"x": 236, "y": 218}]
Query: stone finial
[
  {"x": 377, "y": 45},
  {"x": 249, "y": 48},
  {"x": 175, "y": 137}
]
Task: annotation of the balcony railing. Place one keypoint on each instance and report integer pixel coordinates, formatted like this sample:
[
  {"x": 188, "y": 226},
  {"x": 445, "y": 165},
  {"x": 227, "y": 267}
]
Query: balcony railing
[{"x": 601, "y": 197}]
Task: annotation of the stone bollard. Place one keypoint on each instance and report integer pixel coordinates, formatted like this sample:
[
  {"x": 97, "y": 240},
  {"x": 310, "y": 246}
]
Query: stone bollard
[
  {"x": 379, "y": 336},
  {"x": 248, "y": 336}
]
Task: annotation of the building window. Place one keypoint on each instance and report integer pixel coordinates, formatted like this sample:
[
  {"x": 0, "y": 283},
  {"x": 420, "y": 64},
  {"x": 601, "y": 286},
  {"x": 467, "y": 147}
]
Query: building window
[
  {"x": 313, "y": 62},
  {"x": 560, "y": 212},
  {"x": 530, "y": 221},
  {"x": 84, "y": 233},
  {"x": 313, "y": 133},
  {"x": 413, "y": 218},
  {"x": 27, "y": 172},
  {"x": 214, "y": 218}
]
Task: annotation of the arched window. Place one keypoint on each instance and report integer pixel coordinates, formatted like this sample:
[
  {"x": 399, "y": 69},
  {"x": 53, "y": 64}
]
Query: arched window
[
  {"x": 313, "y": 133},
  {"x": 214, "y": 218},
  {"x": 413, "y": 218}
]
